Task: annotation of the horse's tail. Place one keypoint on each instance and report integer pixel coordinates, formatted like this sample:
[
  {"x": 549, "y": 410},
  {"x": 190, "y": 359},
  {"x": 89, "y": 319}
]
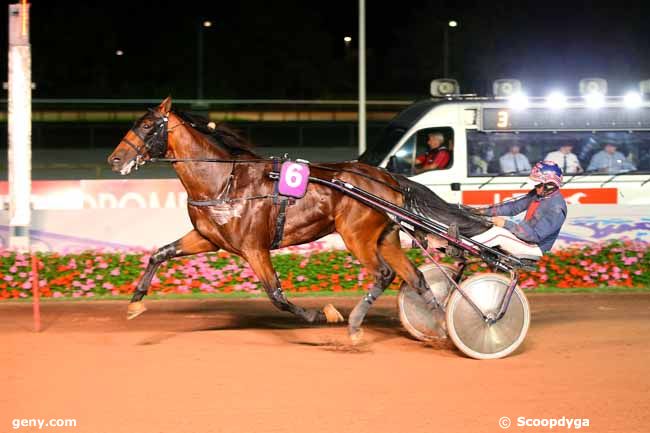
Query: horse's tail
[{"x": 422, "y": 201}]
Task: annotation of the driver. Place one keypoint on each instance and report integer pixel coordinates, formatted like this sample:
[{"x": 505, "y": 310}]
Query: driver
[
  {"x": 545, "y": 213},
  {"x": 437, "y": 156}
]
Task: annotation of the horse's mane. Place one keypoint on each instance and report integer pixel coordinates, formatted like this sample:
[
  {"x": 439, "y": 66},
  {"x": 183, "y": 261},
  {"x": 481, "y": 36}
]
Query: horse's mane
[{"x": 221, "y": 135}]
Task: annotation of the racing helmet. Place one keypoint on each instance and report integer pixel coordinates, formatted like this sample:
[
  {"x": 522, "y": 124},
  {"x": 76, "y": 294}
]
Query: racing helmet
[{"x": 546, "y": 172}]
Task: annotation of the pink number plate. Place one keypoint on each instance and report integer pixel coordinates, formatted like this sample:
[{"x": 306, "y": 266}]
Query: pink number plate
[{"x": 294, "y": 177}]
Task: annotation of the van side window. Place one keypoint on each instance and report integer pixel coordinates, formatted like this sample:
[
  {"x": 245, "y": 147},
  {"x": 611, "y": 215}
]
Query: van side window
[
  {"x": 575, "y": 152},
  {"x": 425, "y": 150},
  {"x": 435, "y": 147}
]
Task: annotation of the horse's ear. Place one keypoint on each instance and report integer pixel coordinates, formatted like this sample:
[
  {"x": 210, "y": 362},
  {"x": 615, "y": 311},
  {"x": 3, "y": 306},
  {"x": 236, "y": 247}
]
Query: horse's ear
[{"x": 165, "y": 106}]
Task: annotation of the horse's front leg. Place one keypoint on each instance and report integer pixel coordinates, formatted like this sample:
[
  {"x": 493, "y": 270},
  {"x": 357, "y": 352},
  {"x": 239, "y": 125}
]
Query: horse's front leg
[
  {"x": 191, "y": 243},
  {"x": 260, "y": 262}
]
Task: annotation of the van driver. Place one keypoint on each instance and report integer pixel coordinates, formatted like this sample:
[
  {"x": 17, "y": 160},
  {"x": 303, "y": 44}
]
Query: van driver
[{"x": 437, "y": 157}]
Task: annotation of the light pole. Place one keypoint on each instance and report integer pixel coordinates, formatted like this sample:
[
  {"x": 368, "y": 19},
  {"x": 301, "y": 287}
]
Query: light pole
[
  {"x": 361, "y": 119},
  {"x": 450, "y": 24},
  {"x": 199, "y": 57}
]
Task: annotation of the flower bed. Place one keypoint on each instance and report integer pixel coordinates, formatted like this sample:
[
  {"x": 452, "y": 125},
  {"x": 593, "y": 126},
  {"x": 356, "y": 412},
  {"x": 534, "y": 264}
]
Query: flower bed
[{"x": 92, "y": 273}]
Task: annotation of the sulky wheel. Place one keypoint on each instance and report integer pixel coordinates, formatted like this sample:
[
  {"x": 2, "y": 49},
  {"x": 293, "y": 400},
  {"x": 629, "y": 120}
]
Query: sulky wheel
[
  {"x": 471, "y": 334},
  {"x": 413, "y": 313}
]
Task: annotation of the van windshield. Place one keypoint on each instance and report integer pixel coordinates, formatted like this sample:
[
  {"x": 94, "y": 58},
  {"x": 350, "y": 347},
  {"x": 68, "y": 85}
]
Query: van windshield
[
  {"x": 602, "y": 152},
  {"x": 395, "y": 130}
]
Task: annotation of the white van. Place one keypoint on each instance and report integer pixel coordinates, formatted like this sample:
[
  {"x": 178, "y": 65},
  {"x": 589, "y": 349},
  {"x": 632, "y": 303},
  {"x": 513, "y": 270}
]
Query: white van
[{"x": 493, "y": 141}]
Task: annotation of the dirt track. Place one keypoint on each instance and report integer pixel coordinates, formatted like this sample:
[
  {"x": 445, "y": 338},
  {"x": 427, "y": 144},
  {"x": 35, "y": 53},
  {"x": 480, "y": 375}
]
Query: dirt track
[{"x": 240, "y": 366}]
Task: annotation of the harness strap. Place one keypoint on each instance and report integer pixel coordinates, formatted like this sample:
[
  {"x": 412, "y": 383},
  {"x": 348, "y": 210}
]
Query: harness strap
[
  {"x": 220, "y": 201},
  {"x": 276, "y": 184},
  {"x": 282, "y": 213},
  {"x": 279, "y": 224}
]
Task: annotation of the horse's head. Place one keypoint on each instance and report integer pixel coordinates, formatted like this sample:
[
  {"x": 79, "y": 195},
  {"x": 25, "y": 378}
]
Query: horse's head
[{"x": 145, "y": 140}]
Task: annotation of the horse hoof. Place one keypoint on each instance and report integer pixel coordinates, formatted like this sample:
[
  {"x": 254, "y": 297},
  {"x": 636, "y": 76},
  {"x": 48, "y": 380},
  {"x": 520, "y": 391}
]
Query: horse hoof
[
  {"x": 332, "y": 314},
  {"x": 135, "y": 309},
  {"x": 356, "y": 337}
]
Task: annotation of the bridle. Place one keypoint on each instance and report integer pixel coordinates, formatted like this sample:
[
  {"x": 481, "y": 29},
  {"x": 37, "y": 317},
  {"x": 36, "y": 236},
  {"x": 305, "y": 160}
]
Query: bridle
[{"x": 154, "y": 142}]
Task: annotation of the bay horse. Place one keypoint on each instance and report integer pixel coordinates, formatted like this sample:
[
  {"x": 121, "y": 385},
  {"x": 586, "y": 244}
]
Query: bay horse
[{"x": 232, "y": 206}]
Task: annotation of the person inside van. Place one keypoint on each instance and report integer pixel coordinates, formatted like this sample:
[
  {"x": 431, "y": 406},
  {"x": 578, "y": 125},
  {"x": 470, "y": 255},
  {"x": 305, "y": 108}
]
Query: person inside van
[
  {"x": 437, "y": 157},
  {"x": 609, "y": 160},
  {"x": 565, "y": 159},
  {"x": 514, "y": 161}
]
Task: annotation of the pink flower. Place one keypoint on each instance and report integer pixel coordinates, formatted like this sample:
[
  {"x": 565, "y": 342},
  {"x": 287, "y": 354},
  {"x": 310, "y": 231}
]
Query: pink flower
[
  {"x": 57, "y": 295},
  {"x": 8, "y": 278},
  {"x": 13, "y": 269},
  {"x": 630, "y": 260},
  {"x": 300, "y": 278},
  {"x": 115, "y": 272},
  {"x": 107, "y": 286},
  {"x": 22, "y": 274}
]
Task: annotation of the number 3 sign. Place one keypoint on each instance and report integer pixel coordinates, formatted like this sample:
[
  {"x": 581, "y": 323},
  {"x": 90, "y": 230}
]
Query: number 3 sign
[{"x": 294, "y": 178}]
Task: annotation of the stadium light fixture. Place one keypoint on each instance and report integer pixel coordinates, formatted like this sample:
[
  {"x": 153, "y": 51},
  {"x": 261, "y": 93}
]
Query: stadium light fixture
[
  {"x": 595, "y": 99},
  {"x": 518, "y": 101},
  {"x": 632, "y": 100},
  {"x": 556, "y": 100}
]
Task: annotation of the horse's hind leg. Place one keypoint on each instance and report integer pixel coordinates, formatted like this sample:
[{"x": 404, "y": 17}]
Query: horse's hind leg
[
  {"x": 391, "y": 251},
  {"x": 260, "y": 262},
  {"x": 384, "y": 275},
  {"x": 191, "y": 243}
]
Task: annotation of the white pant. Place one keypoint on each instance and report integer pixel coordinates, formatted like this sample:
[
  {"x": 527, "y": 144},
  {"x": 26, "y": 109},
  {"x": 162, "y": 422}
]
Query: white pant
[{"x": 498, "y": 236}]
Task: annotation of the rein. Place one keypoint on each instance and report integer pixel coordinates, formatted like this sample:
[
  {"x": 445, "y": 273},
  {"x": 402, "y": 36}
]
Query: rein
[
  {"x": 155, "y": 144},
  {"x": 229, "y": 161},
  {"x": 272, "y": 159}
]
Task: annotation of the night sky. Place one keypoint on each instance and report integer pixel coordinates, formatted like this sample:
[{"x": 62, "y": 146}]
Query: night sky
[{"x": 295, "y": 49}]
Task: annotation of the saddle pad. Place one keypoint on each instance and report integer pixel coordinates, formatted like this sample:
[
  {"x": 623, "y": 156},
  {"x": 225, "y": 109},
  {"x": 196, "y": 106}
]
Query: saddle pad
[{"x": 294, "y": 178}]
